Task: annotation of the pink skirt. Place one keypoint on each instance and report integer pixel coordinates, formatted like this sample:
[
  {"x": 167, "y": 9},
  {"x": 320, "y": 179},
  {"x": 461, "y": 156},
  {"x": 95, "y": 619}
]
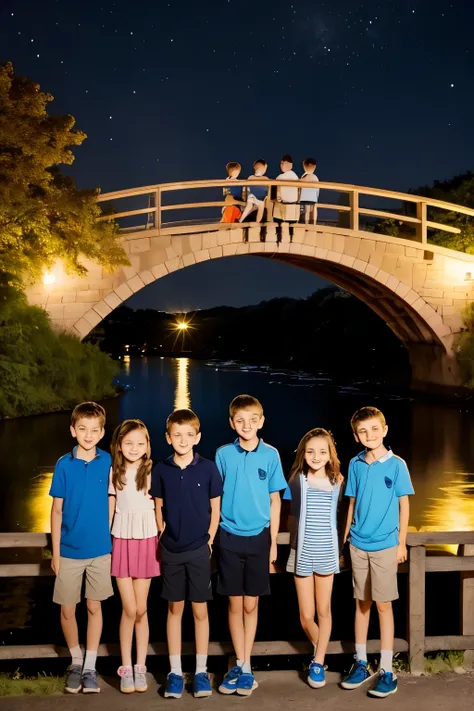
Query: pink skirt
[{"x": 135, "y": 558}]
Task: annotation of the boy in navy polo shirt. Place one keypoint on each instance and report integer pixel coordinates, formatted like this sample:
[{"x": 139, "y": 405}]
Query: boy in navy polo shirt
[
  {"x": 250, "y": 518},
  {"x": 81, "y": 540},
  {"x": 187, "y": 490},
  {"x": 377, "y": 522}
]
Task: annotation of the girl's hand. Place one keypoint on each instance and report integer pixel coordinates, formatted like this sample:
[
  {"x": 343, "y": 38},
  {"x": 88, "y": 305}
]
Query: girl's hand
[
  {"x": 273, "y": 553},
  {"x": 55, "y": 564}
]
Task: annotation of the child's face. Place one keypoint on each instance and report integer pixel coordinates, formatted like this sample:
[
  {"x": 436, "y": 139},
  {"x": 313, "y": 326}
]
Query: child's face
[
  {"x": 370, "y": 433},
  {"x": 316, "y": 454},
  {"x": 234, "y": 173},
  {"x": 183, "y": 438},
  {"x": 260, "y": 169},
  {"x": 88, "y": 431},
  {"x": 247, "y": 423},
  {"x": 286, "y": 166},
  {"x": 134, "y": 445}
]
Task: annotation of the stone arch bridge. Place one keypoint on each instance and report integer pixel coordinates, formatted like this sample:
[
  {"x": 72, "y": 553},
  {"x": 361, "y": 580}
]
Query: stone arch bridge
[{"x": 417, "y": 288}]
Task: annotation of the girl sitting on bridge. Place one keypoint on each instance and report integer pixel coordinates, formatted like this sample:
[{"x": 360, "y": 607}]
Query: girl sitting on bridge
[{"x": 134, "y": 544}]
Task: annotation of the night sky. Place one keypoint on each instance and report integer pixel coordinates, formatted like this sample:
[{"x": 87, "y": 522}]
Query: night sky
[{"x": 380, "y": 93}]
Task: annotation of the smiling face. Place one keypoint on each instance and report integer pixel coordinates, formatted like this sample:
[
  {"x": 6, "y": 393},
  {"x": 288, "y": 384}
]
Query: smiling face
[
  {"x": 316, "y": 454},
  {"x": 88, "y": 431},
  {"x": 183, "y": 438},
  {"x": 134, "y": 445},
  {"x": 247, "y": 422},
  {"x": 370, "y": 433}
]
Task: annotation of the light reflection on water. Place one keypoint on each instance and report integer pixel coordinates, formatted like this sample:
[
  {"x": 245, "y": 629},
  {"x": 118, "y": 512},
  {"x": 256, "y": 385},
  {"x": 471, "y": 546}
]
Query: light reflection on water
[
  {"x": 39, "y": 503},
  {"x": 182, "y": 396},
  {"x": 454, "y": 509}
]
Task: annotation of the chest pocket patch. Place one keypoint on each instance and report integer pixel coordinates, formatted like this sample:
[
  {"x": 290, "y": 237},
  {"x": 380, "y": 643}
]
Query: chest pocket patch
[
  {"x": 262, "y": 474},
  {"x": 388, "y": 482}
]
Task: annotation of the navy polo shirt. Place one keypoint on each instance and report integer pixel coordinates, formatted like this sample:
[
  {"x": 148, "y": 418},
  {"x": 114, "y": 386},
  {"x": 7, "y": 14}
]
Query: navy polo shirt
[
  {"x": 83, "y": 486},
  {"x": 186, "y": 495}
]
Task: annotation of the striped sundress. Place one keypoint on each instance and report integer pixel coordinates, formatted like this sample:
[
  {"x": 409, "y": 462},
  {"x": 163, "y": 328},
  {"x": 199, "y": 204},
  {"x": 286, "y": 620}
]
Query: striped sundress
[{"x": 318, "y": 554}]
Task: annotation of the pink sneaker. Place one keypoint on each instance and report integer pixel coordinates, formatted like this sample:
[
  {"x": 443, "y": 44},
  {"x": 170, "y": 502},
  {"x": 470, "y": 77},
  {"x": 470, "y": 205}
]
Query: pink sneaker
[{"x": 127, "y": 685}]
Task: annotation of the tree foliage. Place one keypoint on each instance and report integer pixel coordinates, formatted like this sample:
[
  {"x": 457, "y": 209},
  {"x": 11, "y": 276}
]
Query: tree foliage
[
  {"x": 43, "y": 216},
  {"x": 465, "y": 348},
  {"x": 42, "y": 370}
]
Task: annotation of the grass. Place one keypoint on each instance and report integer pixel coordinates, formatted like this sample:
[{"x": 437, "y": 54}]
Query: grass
[
  {"x": 443, "y": 662},
  {"x": 17, "y": 684}
]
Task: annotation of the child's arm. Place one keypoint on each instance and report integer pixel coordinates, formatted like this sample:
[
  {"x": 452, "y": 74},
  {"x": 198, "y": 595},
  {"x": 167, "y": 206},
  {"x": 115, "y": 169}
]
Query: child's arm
[
  {"x": 56, "y": 521},
  {"x": 111, "y": 510},
  {"x": 275, "y": 509},
  {"x": 350, "y": 516},
  {"x": 215, "y": 518},
  {"x": 160, "y": 524},
  {"x": 404, "y": 504}
]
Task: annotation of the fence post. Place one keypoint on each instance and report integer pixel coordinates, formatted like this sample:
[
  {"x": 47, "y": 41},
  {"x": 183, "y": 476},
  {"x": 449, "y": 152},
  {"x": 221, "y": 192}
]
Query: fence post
[
  {"x": 422, "y": 228},
  {"x": 416, "y": 609},
  {"x": 354, "y": 205},
  {"x": 158, "y": 209},
  {"x": 467, "y": 603}
]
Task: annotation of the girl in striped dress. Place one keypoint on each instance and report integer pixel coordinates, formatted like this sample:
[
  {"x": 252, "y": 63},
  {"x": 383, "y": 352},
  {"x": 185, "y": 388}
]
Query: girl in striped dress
[{"x": 314, "y": 488}]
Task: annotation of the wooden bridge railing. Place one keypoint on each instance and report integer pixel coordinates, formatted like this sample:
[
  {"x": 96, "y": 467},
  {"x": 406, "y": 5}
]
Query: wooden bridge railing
[
  {"x": 416, "y": 643},
  {"x": 155, "y": 194}
]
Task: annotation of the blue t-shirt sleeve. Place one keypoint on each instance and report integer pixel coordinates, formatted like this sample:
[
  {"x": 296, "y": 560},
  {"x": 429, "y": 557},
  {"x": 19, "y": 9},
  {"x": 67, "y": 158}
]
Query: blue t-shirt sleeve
[
  {"x": 220, "y": 463},
  {"x": 351, "y": 487},
  {"x": 215, "y": 483},
  {"x": 276, "y": 480},
  {"x": 287, "y": 494},
  {"x": 403, "y": 485},
  {"x": 58, "y": 485},
  {"x": 156, "y": 486}
]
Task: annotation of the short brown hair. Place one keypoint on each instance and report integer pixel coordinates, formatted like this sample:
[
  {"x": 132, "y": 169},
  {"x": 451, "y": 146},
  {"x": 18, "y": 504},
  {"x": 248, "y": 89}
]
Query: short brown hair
[
  {"x": 88, "y": 410},
  {"x": 183, "y": 417},
  {"x": 309, "y": 161},
  {"x": 244, "y": 402},
  {"x": 367, "y": 413},
  {"x": 286, "y": 158},
  {"x": 259, "y": 161},
  {"x": 232, "y": 166}
]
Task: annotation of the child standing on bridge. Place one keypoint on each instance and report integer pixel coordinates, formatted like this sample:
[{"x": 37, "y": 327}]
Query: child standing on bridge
[
  {"x": 257, "y": 194},
  {"x": 134, "y": 544},
  {"x": 81, "y": 540},
  {"x": 250, "y": 518},
  {"x": 378, "y": 486},
  {"x": 314, "y": 488}
]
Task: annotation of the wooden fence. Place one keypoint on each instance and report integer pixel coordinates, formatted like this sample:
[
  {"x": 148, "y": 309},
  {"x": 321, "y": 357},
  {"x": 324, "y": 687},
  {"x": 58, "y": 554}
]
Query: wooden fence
[{"x": 416, "y": 642}]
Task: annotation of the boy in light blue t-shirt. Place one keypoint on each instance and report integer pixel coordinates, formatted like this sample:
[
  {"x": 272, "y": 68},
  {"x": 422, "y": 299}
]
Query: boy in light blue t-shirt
[{"x": 378, "y": 485}]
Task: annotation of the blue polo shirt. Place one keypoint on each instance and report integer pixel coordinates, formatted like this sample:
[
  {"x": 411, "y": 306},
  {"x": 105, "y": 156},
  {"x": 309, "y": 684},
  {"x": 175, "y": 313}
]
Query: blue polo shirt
[
  {"x": 376, "y": 488},
  {"x": 186, "y": 495},
  {"x": 83, "y": 486},
  {"x": 249, "y": 479}
]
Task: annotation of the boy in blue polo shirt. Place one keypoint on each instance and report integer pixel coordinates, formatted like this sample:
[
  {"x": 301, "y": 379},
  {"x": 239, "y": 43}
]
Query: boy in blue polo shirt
[
  {"x": 250, "y": 517},
  {"x": 187, "y": 490},
  {"x": 377, "y": 522},
  {"x": 81, "y": 540}
]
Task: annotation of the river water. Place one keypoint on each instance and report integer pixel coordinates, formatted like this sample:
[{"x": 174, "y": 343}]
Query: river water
[{"x": 436, "y": 440}]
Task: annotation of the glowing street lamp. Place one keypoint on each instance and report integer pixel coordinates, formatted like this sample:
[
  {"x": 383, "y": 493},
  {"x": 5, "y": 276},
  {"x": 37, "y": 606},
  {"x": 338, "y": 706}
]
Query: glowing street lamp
[
  {"x": 182, "y": 326},
  {"x": 49, "y": 278}
]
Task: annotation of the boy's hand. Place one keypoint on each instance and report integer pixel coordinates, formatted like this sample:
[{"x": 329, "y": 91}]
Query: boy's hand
[
  {"x": 55, "y": 564},
  {"x": 273, "y": 553},
  {"x": 401, "y": 553},
  {"x": 210, "y": 543}
]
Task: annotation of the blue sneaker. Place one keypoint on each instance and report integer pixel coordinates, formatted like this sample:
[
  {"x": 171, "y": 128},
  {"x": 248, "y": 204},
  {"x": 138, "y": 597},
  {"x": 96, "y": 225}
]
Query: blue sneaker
[
  {"x": 386, "y": 685},
  {"x": 358, "y": 675},
  {"x": 316, "y": 675},
  {"x": 201, "y": 685},
  {"x": 73, "y": 679},
  {"x": 246, "y": 684},
  {"x": 229, "y": 682},
  {"x": 90, "y": 684},
  {"x": 174, "y": 686}
]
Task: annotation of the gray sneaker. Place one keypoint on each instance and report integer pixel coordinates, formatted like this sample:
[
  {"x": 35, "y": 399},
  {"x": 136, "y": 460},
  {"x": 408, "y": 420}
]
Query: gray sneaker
[
  {"x": 89, "y": 682},
  {"x": 127, "y": 685},
  {"x": 140, "y": 678},
  {"x": 73, "y": 679}
]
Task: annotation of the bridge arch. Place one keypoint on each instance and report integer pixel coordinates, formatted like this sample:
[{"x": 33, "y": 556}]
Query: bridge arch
[{"x": 419, "y": 290}]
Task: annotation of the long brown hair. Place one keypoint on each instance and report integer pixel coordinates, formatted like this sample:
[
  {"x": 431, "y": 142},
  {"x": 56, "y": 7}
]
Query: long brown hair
[
  {"x": 118, "y": 460},
  {"x": 333, "y": 467}
]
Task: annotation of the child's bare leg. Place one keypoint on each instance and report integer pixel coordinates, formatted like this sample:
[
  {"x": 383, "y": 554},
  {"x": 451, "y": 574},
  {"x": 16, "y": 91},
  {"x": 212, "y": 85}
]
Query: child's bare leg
[
  {"x": 201, "y": 627},
  {"x": 236, "y": 625},
  {"x": 362, "y": 618},
  {"x": 173, "y": 627},
  {"x": 69, "y": 625},
  {"x": 315, "y": 214},
  {"x": 94, "y": 625},
  {"x": 306, "y": 604},
  {"x": 127, "y": 621},
  {"x": 141, "y": 588},
  {"x": 250, "y": 625},
  {"x": 250, "y": 207},
  {"x": 323, "y": 591},
  {"x": 387, "y": 628},
  {"x": 307, "y": 209},
  {"x": 260, "y": 209}
]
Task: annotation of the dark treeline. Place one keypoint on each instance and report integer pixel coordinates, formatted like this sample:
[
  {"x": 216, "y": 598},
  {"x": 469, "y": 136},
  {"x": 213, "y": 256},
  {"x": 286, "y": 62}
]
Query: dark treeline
[{"x": 329, "y": 332}]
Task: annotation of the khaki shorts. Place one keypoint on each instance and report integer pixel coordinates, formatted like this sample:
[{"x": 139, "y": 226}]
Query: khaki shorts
[
  {"x": 68, "y": 585},
  {"x": 374, "y": 574}
]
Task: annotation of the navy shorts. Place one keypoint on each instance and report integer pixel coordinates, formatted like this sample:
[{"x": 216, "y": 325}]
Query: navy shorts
[
  {"x": 244, "y": 564},
  {"x": 187, "y": 575}
]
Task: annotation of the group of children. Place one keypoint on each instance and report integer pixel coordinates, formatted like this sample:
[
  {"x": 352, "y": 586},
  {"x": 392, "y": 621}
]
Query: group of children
[
  {"x": 112, "y": 515},
  {"x": 289, "y": 201}
]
